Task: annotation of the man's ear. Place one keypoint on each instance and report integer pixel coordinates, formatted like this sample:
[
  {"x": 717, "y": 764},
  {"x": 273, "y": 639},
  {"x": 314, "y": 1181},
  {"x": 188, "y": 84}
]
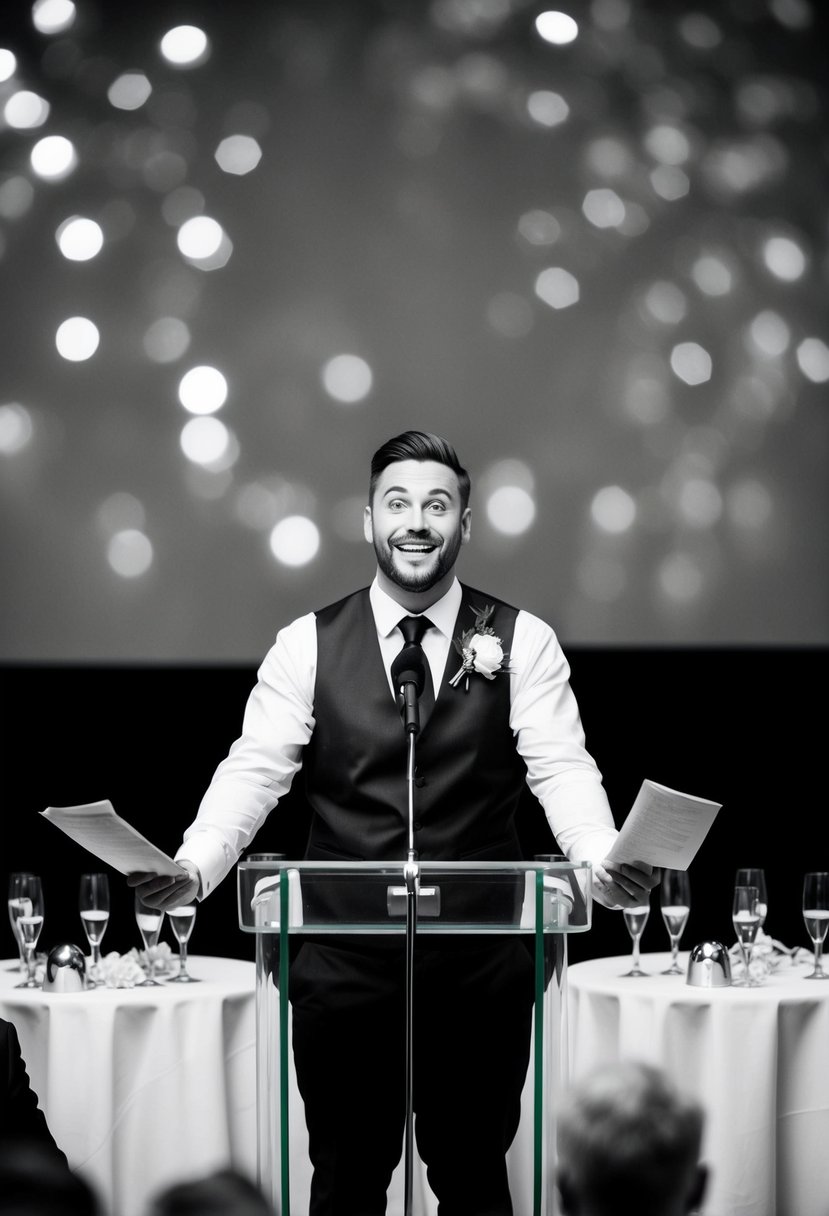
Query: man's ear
[
  {"x": 466, "y": 524},
  {"x": 698, "y": 1188},
  {"x": 368, "y": 527}
]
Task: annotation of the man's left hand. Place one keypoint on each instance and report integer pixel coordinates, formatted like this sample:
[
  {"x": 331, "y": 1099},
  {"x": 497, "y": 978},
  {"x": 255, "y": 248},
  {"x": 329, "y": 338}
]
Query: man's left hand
[{"x": 625, "y": 886}]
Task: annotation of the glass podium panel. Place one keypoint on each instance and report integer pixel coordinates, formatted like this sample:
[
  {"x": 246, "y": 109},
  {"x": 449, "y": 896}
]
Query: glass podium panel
[{"x": 418, "y": 906}]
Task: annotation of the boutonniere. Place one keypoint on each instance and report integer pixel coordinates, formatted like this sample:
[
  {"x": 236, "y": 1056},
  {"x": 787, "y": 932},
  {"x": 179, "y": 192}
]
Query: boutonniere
[{"x": 480, "y": 649}]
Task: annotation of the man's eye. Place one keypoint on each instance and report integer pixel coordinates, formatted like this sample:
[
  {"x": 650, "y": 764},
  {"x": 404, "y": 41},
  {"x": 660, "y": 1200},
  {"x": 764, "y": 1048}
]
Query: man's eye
[
  {"x": 396, "y": 504},
  {"x": 439, "y": 507}
]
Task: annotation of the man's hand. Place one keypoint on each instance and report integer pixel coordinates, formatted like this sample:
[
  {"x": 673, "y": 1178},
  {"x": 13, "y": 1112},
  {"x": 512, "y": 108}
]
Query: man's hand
[
  {"x": 165, "y": 891},
  {"x": 627, "y": 885}
]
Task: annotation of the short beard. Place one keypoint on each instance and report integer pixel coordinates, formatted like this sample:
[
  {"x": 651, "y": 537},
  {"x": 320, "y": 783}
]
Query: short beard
[{"x": 417, "y": 580}]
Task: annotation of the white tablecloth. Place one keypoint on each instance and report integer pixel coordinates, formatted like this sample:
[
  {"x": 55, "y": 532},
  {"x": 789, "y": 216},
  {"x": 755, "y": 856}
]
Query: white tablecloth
[
  {"x": 758, "y": 1059},
  {"x": 144, "y": 1086}
]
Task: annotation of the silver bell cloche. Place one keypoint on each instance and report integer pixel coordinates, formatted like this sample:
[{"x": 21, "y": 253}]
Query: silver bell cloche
[{"x": 65, "y": 969}]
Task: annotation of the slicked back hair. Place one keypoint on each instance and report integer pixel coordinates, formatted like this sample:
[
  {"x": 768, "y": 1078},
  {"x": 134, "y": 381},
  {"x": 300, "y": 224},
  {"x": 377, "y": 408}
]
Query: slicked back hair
[{"x": 419, "y": 445}]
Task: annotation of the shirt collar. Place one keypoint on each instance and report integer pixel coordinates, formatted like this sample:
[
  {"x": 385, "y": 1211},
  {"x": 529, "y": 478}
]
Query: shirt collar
[{"x": 388, "y": 613}]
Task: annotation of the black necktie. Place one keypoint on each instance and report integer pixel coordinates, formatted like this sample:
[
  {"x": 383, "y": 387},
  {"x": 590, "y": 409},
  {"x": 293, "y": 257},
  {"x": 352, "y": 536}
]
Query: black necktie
[{"x": 413, "y": 629}]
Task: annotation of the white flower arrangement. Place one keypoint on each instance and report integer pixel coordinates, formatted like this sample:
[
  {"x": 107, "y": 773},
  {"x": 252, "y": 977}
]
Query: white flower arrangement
[
  {"x": 767, "y": 955},
  {"x": 480, "y": 649}
]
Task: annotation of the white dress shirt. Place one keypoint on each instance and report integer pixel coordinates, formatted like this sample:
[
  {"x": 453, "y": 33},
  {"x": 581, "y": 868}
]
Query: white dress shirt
[{"x": 279, "y": 721}]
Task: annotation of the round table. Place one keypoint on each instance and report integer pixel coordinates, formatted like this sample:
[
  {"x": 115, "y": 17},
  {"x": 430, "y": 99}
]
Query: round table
[
  {"x": 758, "y": 1058},
  {"x": 144, "y": 1086}
]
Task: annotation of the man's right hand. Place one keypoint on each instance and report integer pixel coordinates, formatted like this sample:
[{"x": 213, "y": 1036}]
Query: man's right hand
[{"x": 165, "y": 891}]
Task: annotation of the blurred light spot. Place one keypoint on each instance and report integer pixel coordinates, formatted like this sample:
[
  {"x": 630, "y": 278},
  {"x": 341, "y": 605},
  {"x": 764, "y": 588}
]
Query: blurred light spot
[
  {"x": 556, "y": 27},
  {"x": 601, "y": 578},
  {"x": 762, "y": 100},
  {"x": 476, "y": 18},
  {"x": 238, "y": 154},
  {"x": 203, "y": 242},
  {"x": 608, "y": 157},
  {"x": 129, "y": 91},
  {"x": 668, "y": 144},
  {"x": 613, "y": 510},
  {"x": 130, "y": 553},
  {"x": 16, "y": 429},
  {"x": 680, "y": 579},
  {"x": 636, "y": 220},
  {"x": 181, "y": 205},
  {"x": 691, "y": 363},
  {"x": 769, "y": 334},
  {"x": 510, "y": 315},
  {"x": 646, "y": 399},
  {"x": 166, "y": 340},
  {"x": 8, "y": 64},
  {"x": 52, "y": 16},
  {"x": 77, "y": 339},
  {"x": 204, "y": 440},
  {"x": 712, "y": 276},
  {"x": 539, "y": 227},
  {"x": 794, "y": 14},
  {"x": 185, "y": 46},
  {"x": 25, "y": 110},
  {"x": 610, "y": 14},
  {"x": 666, "y": 303},
  {"x": 669, "y": 182},
  {"x": 603, "y": 208},
  {"x": 202, "y": 390},
  {"x": 813, "y": 360},
  {"x": 754, "y": 398},
  {"x": 735, "y": 168},
  {"x": 433, "y": 87},
  {"x": 164, "y": 170},
  {"x": 699, "y": 31},
  {"x": 295, "y": 540},
  {"x": 557, "y": 287},
  {"x": 16, "y": 197},
  {"x": 749, "y": 504},
  {"x": 784, "y": 258},
  {"x": 546, "y": 108},
  {"x": 347, "y": 378},
  {"x": 119, "y": 512},
  {"x": 699, "y": 502},
  {"x": 79, "y": 239},
  {"x": 53, "y": 157},
  {"x": 510, "y": 510}
]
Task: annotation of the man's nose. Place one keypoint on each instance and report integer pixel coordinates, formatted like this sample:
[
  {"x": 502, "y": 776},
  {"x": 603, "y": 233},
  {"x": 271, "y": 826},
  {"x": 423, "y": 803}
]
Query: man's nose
[{"x": 416, "y": 520}]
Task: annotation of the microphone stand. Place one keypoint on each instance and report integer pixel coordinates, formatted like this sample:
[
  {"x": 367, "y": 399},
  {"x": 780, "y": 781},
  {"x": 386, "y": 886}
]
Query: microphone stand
[{"x": 411, "y": 874}]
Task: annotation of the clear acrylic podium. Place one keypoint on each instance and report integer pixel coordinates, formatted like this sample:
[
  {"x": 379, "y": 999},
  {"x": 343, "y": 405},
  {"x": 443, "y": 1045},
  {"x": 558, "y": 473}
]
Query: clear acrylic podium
[{"x": 541, "y": 901}]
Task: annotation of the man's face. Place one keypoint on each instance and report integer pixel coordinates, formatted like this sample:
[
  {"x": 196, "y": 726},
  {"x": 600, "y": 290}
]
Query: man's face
[{"x": 417, "y": 525}]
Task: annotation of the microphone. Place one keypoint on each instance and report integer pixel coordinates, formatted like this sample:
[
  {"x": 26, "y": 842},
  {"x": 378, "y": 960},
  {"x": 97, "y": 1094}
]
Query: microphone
[{"x": 408, "y": 675}]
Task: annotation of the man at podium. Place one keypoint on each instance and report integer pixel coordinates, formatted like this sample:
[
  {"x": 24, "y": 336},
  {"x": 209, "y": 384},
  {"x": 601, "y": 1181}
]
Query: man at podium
[{"x": 495, "y": 711}]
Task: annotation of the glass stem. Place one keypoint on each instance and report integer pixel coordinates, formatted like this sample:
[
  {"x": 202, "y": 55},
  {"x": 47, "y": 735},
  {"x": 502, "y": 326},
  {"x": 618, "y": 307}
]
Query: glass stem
[
  {"x": 30, "y": 963},
  {"x": 636, "y": 953},
  {"x": 182, "y": 958}
]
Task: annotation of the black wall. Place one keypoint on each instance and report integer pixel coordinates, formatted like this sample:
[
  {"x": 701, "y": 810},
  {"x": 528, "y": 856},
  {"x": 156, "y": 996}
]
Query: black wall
[{"x": 743, "y": 727}]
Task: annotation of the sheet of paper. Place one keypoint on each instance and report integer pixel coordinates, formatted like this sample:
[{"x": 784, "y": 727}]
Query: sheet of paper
[
  {"x": 96, "y": 827},
  {"x": 664, "y": 827}
]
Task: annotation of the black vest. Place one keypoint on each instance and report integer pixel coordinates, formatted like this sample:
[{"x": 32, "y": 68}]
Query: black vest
[{"x": 469, "y": 776}]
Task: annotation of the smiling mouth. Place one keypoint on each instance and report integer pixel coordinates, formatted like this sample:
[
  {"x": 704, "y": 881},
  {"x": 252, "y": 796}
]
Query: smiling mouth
[{"x": 415, "y": 548}]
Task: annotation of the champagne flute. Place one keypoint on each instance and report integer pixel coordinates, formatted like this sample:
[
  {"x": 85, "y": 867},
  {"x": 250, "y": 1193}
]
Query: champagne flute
[
  {"x": 746, "y": 921},
  {"x": 636, "y": 919},
  {"x": 17, "y": 904},
  {"x": 816, "y": 917},
  {"x": 94, "y": 908},
  {"x": 149, "y": 921},
  {"x": 182, "y": 920},
  {"x": 675, "y": 902},
  {"x": 752, "y": 877},
  {"x": 30, "y": 923}
]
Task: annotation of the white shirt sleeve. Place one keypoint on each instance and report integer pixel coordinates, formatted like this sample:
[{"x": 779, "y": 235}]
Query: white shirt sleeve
[
  {"x": 261, "y": 764},
  {"x": 545, "y": 718}
]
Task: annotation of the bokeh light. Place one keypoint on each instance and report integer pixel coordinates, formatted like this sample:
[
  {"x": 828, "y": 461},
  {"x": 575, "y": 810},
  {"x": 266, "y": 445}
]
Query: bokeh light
[
  {"x": 77, "y": 339},
  {"x": 294, "y": 541},
  {"x": 54, "y": 157},
  {"x": 185, "y": 46},
  {"x": 16, "y": 428},
  {"x": 25, "y": 110},
  {"x": 347, "y": 378},
  {"x": 53, "y": 16},
  {"x": 130, "y": 553},
  {"x": 202, "y": 390},
  {"x": 79, "y": 238}
]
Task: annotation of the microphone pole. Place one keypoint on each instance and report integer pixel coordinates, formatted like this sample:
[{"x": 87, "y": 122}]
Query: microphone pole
[{"x": 409, "y": 678}]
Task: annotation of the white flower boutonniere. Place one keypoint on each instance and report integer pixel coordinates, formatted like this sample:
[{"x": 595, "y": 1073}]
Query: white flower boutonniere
[{"x": 480, "y": 649}]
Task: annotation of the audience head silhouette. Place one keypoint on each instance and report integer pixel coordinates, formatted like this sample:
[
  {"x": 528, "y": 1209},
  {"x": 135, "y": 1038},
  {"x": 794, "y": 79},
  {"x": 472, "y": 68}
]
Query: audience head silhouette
[
  {"x": 628, "y": 1140},
  {"x": 224, "y": 1192},
  {"x": 35, "y": 1181}
]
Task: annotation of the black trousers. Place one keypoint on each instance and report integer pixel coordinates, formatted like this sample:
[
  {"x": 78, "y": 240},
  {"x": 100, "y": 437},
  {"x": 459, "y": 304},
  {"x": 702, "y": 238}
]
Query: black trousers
[{"x": 472, "y": 1019}]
